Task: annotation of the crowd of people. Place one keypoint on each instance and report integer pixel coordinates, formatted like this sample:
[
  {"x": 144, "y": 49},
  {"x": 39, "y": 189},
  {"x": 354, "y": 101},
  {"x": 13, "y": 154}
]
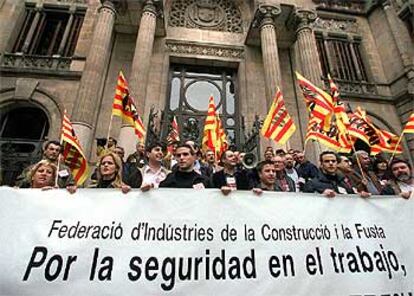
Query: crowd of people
[{"x": 187, "y": 166}]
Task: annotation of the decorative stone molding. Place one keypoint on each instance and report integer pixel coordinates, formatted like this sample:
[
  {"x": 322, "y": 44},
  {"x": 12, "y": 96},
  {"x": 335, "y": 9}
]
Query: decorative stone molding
[
  {"x": 178, "y": 47},
  {"x": 266, "y": 15},
  {"x": 336, "y": 25},
  {"x": 11, "y": 60},
  {"x": 217, "y": 15},
  {"x": 350, "y": 6}
]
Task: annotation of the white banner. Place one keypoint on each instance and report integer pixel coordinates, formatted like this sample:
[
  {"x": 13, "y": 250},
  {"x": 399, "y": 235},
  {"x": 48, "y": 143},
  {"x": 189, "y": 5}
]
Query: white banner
[{"x": 188, "y": 242}]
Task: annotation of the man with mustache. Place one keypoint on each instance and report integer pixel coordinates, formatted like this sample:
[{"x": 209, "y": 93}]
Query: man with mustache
[{"x": 402, "y": 180}]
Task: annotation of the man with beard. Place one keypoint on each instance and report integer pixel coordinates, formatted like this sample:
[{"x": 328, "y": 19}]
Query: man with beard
[
  {"x": 229, "y": 179},
  {"x": 402, "y": 180},
  {"x": 154, "y": 172},
  {"x": 290, "y": 170}
]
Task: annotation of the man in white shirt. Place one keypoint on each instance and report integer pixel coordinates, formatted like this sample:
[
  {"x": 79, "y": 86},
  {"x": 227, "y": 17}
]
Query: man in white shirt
[{"x": 153, "y": 172}]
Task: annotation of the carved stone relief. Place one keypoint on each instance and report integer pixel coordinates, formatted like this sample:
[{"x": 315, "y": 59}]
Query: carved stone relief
[
  {"x": 217, "y": 15},
  {"x": 336, "y": 25},
  {"x": 206, "y": 50}
]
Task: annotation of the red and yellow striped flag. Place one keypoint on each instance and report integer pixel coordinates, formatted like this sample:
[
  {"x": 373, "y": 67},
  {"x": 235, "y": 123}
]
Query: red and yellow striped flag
[
  {"x": 409, "y": 127},
  {"x": 211, "y": 138},
  {"x": 173, "y": 136},
  {"x": 72, "y": 152},
  {"x": 318, "y": 102},
  {"x": 125, "y": 108},
  {"x": 278, "y": 124},
  {"x": 342, "y": 119}
]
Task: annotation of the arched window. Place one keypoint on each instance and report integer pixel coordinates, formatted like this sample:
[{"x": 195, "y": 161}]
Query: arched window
[{"x": 23, "y": 128}]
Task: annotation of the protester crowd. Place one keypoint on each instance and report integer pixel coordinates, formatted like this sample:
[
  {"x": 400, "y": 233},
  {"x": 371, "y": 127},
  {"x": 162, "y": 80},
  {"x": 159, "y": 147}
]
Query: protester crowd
[{"x": 186, "y": 166}]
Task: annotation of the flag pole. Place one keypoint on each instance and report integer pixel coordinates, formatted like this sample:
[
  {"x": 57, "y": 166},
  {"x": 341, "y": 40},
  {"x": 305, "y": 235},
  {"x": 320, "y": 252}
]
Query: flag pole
[
  {"x": 61, "y": 143},
  {"x": 396, "y": 147},
  {"x": 109, "y": 130}
]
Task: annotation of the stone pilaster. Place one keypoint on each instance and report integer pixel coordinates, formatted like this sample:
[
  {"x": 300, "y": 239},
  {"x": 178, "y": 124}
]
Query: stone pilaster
[
  {"x": 265, "y": 20},
  {"x": 88, "y": 102},
  {"x": 138, "y": 80}
]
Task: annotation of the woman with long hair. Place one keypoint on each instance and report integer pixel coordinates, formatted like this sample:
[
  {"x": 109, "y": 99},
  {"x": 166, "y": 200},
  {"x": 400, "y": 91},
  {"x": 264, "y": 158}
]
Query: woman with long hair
[{"x": 109, "y": 173}]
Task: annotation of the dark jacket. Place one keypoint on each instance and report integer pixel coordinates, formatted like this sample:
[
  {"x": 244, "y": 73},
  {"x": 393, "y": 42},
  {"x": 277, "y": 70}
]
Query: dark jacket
[
  {"x": 178, "y": 179},
  {"x": 218, "y": 180},
  {"x": 290, "y": 183},
  {"x": 307, "y": 170},
  {"x": 131, "y": 175},
  {"x": 323, "y": 181}
]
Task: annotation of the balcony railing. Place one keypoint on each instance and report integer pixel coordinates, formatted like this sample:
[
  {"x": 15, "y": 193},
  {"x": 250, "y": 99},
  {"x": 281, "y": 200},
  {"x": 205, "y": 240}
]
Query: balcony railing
[{"x": 36, "y": 62}]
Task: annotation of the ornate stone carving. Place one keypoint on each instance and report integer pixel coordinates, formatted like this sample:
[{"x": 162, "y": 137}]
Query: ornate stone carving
[
  {"x": 206, "y": 50},
  {"x": 265, "y": 15},
  {"x": 336, "y": 25},
  {"x": 218, "y": 15},
  {"x": 303, "y": 18}
]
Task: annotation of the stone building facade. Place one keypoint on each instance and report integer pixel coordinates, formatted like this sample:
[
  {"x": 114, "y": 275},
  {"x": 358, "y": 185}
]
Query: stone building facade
[{"x": 66, "y": 54}]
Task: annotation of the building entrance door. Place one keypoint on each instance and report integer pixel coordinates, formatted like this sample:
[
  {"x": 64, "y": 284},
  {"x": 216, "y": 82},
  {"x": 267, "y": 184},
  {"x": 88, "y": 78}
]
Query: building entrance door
[{"x": 190, "y": 88}]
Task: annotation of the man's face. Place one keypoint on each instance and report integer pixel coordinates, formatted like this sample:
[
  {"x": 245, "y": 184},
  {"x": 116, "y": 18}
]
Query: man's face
[
  {"x": 401, "y": 171},
  {"x": 185, "y": 159},
  {"x": 329, "y": 164},
  {"x": 52, "y": 152},
  {"x": 279, "y": 163},
  {"x": 289, "y": 161},
  {"x": 268, "y": 155},
  {"x": 155, "y": 154},
  {"x": 345, "y": 164},
  {"x": 120, "y": 152},
  {"x": 268, "y": 174},
  {"x": 140, "y": 148},
  {"x": 210, "y": 157},
  {"x": 300, "y": 157},
  {"x": 230, "y": 159},
  {"x": 365, "y": 160}
]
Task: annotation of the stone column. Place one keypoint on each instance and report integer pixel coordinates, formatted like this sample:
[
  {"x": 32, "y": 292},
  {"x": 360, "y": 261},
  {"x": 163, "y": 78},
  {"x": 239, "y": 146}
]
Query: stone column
[
  {"x": 138, "y": 80},
  {"x": 310, "y": 65},
  {"x": 86, "y": 108},
  {"x": 306, "y": 46},
  {"x": 265, "y": 20},
  {"x": 142, "y": 56}
]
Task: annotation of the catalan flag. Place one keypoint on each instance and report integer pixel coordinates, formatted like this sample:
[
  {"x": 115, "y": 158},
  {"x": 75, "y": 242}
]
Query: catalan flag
[
  {"x": 318, "y": 102},
  {"x": 173, "y": 136},
  {"x": 214, "y": 135},
  {"x": 125, "y": 108},
  {"x": 409, "y": 127},
  {"x": 278, "y": 125},
  {"x": 390, "y": 144},
  {"x": 342, "y": 119},
  {"x": 72, "y": 152}
]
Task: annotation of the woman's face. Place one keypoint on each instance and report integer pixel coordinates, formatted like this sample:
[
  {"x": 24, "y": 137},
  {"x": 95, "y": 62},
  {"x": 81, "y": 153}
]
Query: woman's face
[
  {"x": 42, "y": 177},
  {"x": 108, "y": 167}
]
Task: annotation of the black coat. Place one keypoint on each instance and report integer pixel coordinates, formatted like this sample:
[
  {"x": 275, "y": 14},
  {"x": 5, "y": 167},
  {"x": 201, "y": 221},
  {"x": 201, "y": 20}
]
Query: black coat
[
  {"x": 322, "y": 182},
  {"x": 178, "y": 179},
  {"x": 218, "y": 180}
]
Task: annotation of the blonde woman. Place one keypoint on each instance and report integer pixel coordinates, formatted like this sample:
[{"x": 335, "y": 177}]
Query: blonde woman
[
  {"x": 43, "y": 175},
  {"x": 109, "y": 173}
]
